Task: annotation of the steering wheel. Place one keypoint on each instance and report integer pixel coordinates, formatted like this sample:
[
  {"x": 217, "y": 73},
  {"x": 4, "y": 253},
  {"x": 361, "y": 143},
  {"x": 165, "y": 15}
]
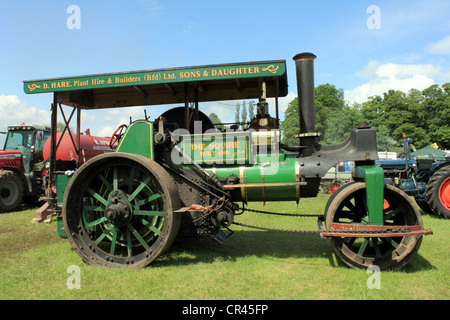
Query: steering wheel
[{"x": 116, "y": 136}]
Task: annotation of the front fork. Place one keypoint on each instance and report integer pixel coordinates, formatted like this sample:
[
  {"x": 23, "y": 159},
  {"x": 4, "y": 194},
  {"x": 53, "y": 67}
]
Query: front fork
[{"x": 374, "y": 178}]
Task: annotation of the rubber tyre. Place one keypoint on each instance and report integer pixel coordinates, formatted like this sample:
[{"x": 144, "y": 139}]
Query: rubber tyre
[
  {"x": 11, "y": 191},
  {"x": 438, "y": 189}
]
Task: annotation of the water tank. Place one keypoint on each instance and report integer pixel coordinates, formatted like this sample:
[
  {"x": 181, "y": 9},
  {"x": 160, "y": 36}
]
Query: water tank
[{"x": 91, "y": 146}]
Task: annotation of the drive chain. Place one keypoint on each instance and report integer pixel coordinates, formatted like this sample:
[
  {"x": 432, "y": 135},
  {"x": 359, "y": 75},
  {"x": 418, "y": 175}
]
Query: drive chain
[
  {"x": 283, "y": 214},
  {"x": 280, "y": 214},
  {"x": 343, "y": 232}
]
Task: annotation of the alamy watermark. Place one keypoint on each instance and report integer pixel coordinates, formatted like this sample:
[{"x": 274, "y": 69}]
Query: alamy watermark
[
  {"x": 374, "y": 20},
  {"x": 374, "y": 280},
  {"x": 74, "y": 20},
  {"x": 74, "y": 280}
]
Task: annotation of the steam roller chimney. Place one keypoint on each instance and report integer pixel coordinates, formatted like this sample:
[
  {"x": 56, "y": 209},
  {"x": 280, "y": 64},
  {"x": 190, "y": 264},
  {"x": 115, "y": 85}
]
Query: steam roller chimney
[{"x": 304, "y": 64}]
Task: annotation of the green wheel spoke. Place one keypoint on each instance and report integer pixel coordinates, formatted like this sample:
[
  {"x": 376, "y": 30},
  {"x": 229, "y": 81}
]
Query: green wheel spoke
[
  {"x": 105, "y": 233},
  {"x": 129, "y": 248},
  {"x": 139, "y": 189},
  {"x": 151, "y": 227},
  {"x": 138, "y": 236},
  {"x": 93, "y": 208},
  {"x": 97, "y": 196},
  {"x": 390, "y": 214},
  {"x": 105, "y": 182},
  {"x": 363, "y": 247},
  {"x": 375, "y": 247},
  {"x": 96, "y": 222},
  {"x": 149, "y": 199},
  {"x": 113, "y": 241},
  {"x": 131, "y": 179},
  {"x": 390, "y": 241},
  {"x": 350, "y": 241},
  {"x": 149, "y": 213}
]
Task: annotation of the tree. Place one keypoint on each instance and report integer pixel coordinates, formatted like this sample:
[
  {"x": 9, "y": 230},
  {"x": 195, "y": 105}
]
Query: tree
[
  {"x": 244, "y": 114},
  {"x": 215, "y": 119},
  {"x": 251, "y": 110},
  {"x": 237, "y": 114},
  {"x": 339, "y": 124},
  {"x": 60, "y": 127},
  {"x": 329, "y": 101},
  {"x": 333, "y": 117},
  {"x": 421, "y": 115},
  {"x": 290, "y": 125}
]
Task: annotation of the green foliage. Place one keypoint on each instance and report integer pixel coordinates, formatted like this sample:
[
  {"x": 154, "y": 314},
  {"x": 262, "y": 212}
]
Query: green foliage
[
  {"x": 244, "y": 113},
  {"x": 422, "y": 115},
  {"x": 217, "y": 122},
  {"x": 237, "y": 117},
  {"x": 251, "y": 110},
  {"x": 60, "y": 127},
  {"x": 334, "y": 119},
  {"x": 290, "y": 126}
]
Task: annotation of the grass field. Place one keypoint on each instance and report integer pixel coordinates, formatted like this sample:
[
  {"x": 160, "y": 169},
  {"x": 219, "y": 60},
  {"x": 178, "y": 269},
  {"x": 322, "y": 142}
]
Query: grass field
[{"x": 251, "y": 265}]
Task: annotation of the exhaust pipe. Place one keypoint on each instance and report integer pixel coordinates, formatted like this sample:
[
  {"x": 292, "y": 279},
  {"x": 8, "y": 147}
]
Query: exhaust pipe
[{"x": 304, "y": 64}]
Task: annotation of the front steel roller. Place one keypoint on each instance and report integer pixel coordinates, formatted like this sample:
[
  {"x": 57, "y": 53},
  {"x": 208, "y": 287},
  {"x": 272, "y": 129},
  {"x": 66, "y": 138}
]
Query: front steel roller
[
  {"x": 118, "y": 211},
  {"x": 348, "y": 205}
]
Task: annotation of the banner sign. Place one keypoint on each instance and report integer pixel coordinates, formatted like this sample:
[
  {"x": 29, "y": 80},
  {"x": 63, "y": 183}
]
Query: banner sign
[{"x": 162, "y": 76}]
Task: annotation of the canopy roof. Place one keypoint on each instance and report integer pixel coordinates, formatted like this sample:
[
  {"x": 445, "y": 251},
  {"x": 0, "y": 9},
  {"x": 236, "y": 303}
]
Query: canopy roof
[
  {"x": 167, "y": 86},
  {"x": 429, "y": 152}
]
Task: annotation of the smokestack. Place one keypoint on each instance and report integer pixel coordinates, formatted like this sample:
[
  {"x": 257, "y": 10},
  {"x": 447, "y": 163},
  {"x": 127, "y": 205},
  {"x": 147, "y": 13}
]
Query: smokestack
[{"x": 304, "y": 64}]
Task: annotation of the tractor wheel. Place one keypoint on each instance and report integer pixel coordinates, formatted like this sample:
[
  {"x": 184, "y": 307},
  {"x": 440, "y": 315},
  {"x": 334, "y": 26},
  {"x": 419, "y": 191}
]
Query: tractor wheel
[
  {"x": 348, "y": 205},
  {"x": 118, "y": 211},
  {"x": 334, "y": 186},
  {"x": 11, "y": 191},
  {"x": 438, "y": 192}
]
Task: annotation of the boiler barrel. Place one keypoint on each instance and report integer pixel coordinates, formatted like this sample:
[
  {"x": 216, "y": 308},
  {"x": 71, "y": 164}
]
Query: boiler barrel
[{"x": 267, "y": 182}]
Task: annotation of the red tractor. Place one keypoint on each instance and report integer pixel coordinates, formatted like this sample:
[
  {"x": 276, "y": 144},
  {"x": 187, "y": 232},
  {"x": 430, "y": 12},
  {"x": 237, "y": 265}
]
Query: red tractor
[
  {"x": 21, "y": 165},
  {"x": 24, "y": 165}
]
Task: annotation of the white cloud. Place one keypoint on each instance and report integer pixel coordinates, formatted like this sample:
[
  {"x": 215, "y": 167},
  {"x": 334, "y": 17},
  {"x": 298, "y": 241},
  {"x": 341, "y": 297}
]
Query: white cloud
[
  {"x": 190, "y": 27},
  {"x": 152, "y": 7},
  {"x": 440, "y": 47},
  {"x": 103, "y": 122},
  {"x": 105, "y": 131},
  {"x": 283, "y": 103},
  {"x": 14, "y": 111},
  {"x": 383, "y": 77},
  {"x": 225, "y": 110}
]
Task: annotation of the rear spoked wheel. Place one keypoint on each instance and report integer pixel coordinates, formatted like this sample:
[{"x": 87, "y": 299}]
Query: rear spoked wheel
[
  {"x": 348, "y": 205},
  {"x": 118, "y": 211}
]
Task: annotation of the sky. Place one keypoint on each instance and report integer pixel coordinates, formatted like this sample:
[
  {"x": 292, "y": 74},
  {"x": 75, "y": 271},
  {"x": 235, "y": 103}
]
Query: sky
[{"x": 363, "y": 47}]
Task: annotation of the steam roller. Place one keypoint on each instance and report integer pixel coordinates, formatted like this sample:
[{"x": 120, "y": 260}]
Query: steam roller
[{"x": 181, "y": 176}]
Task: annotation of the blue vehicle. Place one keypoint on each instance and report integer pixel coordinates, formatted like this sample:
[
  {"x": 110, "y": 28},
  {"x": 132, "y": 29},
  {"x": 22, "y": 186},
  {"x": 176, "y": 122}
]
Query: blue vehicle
[{"x": 425, "y": 179}]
